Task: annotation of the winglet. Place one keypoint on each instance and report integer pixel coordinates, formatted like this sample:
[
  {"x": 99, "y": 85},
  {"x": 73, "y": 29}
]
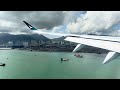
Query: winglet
[{"x": 30, "y": 26}]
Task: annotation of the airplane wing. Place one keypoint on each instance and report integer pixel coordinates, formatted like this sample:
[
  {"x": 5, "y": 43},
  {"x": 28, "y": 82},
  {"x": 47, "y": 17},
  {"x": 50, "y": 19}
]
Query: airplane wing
[
  {"x": 104, "y": 42},
  {"x": 112, "y": 46}
]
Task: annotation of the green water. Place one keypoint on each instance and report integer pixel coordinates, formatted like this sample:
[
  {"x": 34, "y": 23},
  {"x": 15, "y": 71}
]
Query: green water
[{"x": 47, "y": 65}]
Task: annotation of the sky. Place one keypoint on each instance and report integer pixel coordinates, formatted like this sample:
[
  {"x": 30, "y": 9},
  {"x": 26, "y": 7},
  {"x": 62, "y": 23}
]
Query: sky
[{"x": 76, "y": 22}]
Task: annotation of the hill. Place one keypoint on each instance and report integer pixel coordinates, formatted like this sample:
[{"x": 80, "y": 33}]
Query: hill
[{"x": 5, "y": 37}]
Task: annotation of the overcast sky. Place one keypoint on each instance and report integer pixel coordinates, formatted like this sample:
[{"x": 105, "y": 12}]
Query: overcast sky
[{"x": 77, "y": 22}]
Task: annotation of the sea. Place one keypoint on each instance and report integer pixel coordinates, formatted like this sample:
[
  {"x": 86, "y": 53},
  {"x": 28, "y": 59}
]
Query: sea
[{"x": 22, "y": 64}]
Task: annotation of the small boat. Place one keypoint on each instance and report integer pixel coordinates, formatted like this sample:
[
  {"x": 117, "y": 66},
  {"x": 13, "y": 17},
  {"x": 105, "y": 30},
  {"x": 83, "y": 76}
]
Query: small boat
[
  {"x": 2, "y": 64},
  {"x": 78, "y": 55},
  {"x": 62, "y": 59}
]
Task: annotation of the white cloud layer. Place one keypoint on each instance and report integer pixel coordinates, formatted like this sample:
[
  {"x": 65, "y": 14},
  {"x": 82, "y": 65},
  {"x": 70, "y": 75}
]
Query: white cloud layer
[
  {"x": 79, "y": 22},
  {"x": 95, "y": 21}
]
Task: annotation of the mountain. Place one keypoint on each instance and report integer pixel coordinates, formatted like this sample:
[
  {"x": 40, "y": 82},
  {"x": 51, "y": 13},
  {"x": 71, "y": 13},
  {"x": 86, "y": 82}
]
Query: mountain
[
  {"x": 5, "y": 37},
  {"x": 58, "y": 39},
  {"x": 39, "y": 37}
]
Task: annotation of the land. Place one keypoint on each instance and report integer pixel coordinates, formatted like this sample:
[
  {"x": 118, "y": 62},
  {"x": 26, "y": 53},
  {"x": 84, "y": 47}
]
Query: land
[{"x": 41, "y": 43}]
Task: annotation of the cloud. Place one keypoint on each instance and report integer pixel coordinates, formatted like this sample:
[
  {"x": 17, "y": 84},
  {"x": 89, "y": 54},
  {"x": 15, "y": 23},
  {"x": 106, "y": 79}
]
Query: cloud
[
  {"x": 42, "y": 19},
  {"x": 79, "y": 22},
  {"x": 12, "y": 20},
  {"x": 71, "y": 16},
  {"x": 96, "y": 21}
]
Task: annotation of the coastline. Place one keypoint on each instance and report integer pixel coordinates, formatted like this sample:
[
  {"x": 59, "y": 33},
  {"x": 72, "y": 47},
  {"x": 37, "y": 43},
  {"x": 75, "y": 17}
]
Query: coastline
[
  {"x": 57, "y": 50},
  {"x": 5, "y": 48}
]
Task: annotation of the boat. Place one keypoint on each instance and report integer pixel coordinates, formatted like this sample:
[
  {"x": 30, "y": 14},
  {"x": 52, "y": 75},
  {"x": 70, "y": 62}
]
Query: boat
[
  {"x": 2, "y": 64},
  {"x": 62, "y": 59},
  {"x": 78, "y": 55},
  {"x": 30, "y": 49}
]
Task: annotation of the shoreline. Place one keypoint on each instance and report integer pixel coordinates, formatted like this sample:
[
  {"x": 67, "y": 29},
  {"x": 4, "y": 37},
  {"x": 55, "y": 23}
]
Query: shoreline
[
  {"x": 5, "y": 48},
  {"x": 57, "y": 51},
  {"x": 52, "y": 50}
]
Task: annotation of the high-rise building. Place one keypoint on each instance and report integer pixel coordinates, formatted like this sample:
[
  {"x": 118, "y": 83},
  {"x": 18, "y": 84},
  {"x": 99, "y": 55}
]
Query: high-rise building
[
  {"x": 25, "y": 44},
  {"x": 10, "y": 43}
]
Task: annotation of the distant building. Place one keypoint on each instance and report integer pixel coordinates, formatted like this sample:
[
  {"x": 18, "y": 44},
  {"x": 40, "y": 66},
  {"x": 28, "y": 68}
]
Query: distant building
[
  {"x": 72, "y": 43},
  {"x": 41, "y": 42},
  {"x": 62, "y": 42},
  {"x": 25, "y": 44},
  {"x": 18, "y": 43},
  {"x": 34, "y": 43},
  {"x": 55, "y": 42},
  {"x": 10, "y": 43},
  {"x": 48, "y": 42}
]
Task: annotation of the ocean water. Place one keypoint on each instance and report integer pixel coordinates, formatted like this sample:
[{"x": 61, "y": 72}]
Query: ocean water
[{"x": 22, "y": 64}]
